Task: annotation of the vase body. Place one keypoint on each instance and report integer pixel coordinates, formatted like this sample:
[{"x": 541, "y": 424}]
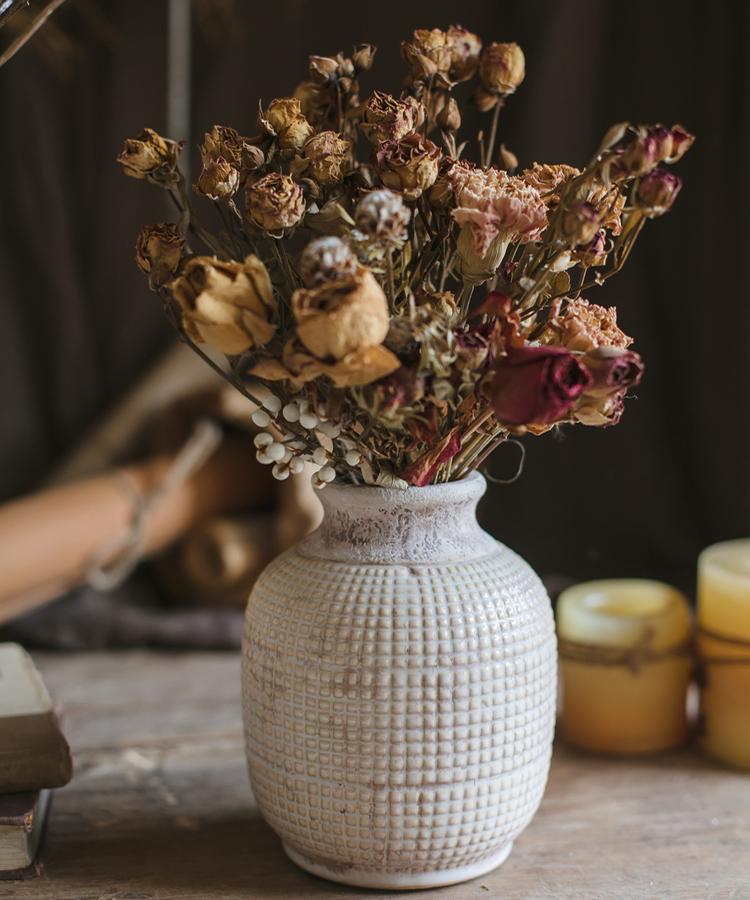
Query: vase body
[{"x": 399, "y": 684}]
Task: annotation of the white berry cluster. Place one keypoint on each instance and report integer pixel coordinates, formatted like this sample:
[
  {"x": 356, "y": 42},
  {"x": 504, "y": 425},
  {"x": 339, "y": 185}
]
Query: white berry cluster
[{"x": 288, "y": 455}]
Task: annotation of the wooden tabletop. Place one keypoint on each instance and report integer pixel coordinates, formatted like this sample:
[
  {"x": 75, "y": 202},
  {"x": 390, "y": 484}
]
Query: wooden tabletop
[{"x": 160, "y": 806}]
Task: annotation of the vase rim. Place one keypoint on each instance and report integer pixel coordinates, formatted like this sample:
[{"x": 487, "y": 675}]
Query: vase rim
[{"x": 472, "y": 485}]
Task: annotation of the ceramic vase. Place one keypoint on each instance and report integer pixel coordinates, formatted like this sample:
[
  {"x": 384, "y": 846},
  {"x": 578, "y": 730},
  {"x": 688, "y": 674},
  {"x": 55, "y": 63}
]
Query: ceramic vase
[{"x": 399, "y": 681}]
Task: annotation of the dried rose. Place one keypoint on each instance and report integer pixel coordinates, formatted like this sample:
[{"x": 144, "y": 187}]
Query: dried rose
[
  {"x": 465, "y": 48},
  {"x": 579, "y": 223},
  {"x": 274, "y": 202},
  {"x": 328, "y": 154},
  {"x": 218, "y": 180},
  {"x": 609, "y": 204},
  {"x": 653, "y": 144},
  {"x": 612, "y": 369},
  {"x": 342, "y": 316},
  {"x": 150, "y": 156},
  {"x": 386, "y": 119},
  {"x": 429, "y": 55},
  {"x": 284, "y": 120},
  {"x": 423, "y": 469},
  {"x": 237, "y": 150},
  {"x": 548, "y": 179},
  {"x": 502, "y": 68},
  {"x": 382, "y": 215},
  {"x": 583, "y": 326},
  {"x": 449, "y": 117},
  {"x": 358, "y": 368},
  {"x": 409, "y": 165},
  {"x": 323, "y": 68},
  {"x": 594, "y": 253},
  {"x": 600, "y": 411},
  {"x": 326, "y": 259},
  {"x": 229, "y": 305},
  {"x": 657, "y": 192},
  {"x": 537, "y": 385},
  {"x": 158, "y": 251},
  {"x": 363, "y": 56}
]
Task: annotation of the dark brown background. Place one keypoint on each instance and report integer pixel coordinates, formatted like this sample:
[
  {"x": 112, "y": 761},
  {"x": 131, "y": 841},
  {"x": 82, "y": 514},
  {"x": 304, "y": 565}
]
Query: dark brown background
[{"x": 77, "y": 324}]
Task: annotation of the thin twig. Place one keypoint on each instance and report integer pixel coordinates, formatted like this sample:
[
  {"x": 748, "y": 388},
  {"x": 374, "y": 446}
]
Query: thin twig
[{"x": 36, "y": 23}]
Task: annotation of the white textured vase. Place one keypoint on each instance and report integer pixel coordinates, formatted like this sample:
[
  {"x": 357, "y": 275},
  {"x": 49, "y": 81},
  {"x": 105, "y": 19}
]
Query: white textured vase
[{"x": 399, "y": 672}]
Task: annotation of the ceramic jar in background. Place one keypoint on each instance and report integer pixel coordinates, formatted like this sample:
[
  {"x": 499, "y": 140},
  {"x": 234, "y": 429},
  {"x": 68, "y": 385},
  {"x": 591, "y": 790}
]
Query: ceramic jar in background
[
  {"x": 625, "y": 665},
  {"x": 399, "y": 681},
  {"x": 724, "y": 651}
]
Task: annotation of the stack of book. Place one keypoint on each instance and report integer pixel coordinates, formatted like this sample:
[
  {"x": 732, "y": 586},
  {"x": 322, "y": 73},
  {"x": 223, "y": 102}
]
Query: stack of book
[{"x": 34, "y": 758}]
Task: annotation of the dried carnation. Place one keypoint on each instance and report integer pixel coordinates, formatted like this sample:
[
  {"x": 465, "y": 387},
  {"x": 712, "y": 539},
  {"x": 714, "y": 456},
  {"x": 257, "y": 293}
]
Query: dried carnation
[
  {"x": 229, "y": 305},
  {"x": 548, "y": 179},
  {"x": 341, "y": 316},
  {"x": 581, "y": 326},
  {"x": 274, "y": 202},
  {"x": 493, "y": 204},
  {"x": 150, "y": 156},
  {"x": 326, "y": 259},
  {"x": 382, "y": 215},
  {"x": 409, "y": 165},
  {"x": 384, "y": 118},
  {"x": 158, "y": 251},
  {"x": 327, "y": 154}
]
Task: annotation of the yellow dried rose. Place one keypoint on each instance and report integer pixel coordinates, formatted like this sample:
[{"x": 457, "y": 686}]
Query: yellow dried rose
[
  {"x": 327, "y": 154},
  {"x": 385, "y": 118},
  {"x": 218, "y": 180},
  {"x": 342, "y": 316},
  {"x": 284, "y": 120},
  {"x": 357, "y": 368},
  {"x": 229, "y": 305},
  {"x": 158, "y": 251},
  {"x": 274, "y": 202},
  {"x": 150, "y": 156},
  {"x": 409, "y": 165},
  {"x": 502, "y": 67}
]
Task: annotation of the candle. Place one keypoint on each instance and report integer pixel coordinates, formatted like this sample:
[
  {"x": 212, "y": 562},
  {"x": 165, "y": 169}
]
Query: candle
[
  {"x": 724, "y": 649},
  {"x": 625, "y": 665}
]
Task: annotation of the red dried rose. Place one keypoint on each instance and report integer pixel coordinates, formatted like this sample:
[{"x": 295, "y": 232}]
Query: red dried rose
[{"x": 537, "y": 385}]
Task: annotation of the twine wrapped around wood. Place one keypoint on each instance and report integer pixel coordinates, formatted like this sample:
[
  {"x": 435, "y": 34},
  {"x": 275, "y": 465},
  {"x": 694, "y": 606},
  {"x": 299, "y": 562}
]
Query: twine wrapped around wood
[{"x": 633, "y": 657}]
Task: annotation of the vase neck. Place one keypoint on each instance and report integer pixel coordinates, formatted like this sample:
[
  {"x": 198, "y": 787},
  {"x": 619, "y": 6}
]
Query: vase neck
[{"x": 390, "y": 526}]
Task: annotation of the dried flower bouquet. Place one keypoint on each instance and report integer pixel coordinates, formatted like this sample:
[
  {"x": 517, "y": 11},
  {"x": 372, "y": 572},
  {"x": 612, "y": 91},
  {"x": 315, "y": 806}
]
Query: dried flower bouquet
[{"x": 353, "y": 234}]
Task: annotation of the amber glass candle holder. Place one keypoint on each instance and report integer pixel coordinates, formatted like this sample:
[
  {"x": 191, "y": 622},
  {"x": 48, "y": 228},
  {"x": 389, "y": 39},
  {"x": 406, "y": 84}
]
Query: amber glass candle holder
[
  {"x": 724, "y": 651},
  {"x": 626, "y": 665}
]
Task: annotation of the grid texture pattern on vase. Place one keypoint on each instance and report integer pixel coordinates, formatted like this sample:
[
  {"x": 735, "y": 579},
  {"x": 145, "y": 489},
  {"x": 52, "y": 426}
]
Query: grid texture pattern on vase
[{"x": 399, "y": 718}]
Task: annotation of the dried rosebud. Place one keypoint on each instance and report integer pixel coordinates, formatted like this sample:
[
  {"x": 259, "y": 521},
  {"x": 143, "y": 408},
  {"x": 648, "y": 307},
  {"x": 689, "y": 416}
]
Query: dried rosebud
[
  {"x": 218, "y": 180},
  {"x": 409, "y": 165},
  {"x": 235, "y": 149},
  {"x": 465, "y": 48},
  {"x": 386, "y": 119},
  {"x": 449, "y": 117},
  {"x": 229, "y": 305},
  {"x": 537, "y": 385},
  {"x": 314, "y": 100},
  {"x": 381, "y": 215},
  {"x": 682, "y": 141},
  {"x": 579, "y": 223},
  {"x": 600, "y": 412},
  {"x": 612, "y": 369},
  {"x": 507, "y": 160},
  {"x": 657, "y": 192},
  {"x": 485, "y": 100},
  {"x": 326, "y": 259},
  {"x": 594, "y": 253},
  {"x": 284, "y": 120},
  {"x": 327, "y": 154},
  {"x": 502, "y": 68},
  {"x": 363, "y": 56},
  {"x": 323, "y": 68},
  {"x": 341, "y": 316},
  {"x": 652, "y": 145},
  {"x": 158, "y": 251},
  {"x": 429, "y": 55},
  {"x": 274, "y": 202},
  {"x": 150, "y": 156}
]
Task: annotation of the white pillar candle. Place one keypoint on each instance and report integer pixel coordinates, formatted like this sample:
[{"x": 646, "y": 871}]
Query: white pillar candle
[
  {"x": 625, "y": 665},
  {"x": 724, "y": 648}
]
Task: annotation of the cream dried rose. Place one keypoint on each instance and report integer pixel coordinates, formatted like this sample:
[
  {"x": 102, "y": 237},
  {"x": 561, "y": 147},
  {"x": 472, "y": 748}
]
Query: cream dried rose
[
  {"x": 150, "y": 156},
  {"x": 218, "y": 180},
  {"x": 284, "y": 120},
  {"x": 342, "y": 316},
  {"x": 502, "y": 67},
  {"x": 229, "y": 305},
  {"x": 158, "y": 251},
  {"x": 409, "y": 165},
  {"x": 385, "y": 118},
  {"x": 327, "y": 154},
  {"x": 274, "y": 202}
]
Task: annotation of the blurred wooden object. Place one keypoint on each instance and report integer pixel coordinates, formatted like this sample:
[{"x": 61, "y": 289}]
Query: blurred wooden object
[{"x": 48, "y": 540}]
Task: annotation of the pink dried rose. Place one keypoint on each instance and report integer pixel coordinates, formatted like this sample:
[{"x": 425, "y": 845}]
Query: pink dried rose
[
  {"x": 657, "y": 192},
  {"x": 594, "y": 253},
  {"x": 537, "y": 385},
  {"x": 652, "y": 145},
  {"x": 612, "y": 369}
]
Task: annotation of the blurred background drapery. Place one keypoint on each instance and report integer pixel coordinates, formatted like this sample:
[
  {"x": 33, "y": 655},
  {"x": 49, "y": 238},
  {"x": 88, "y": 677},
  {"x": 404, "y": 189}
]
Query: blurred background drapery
[{"x": 78, "y": 326}]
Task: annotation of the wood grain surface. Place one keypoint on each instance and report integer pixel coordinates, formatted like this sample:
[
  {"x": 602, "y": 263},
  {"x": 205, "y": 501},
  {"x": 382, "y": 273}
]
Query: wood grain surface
[{"x": 160, "y": 807}]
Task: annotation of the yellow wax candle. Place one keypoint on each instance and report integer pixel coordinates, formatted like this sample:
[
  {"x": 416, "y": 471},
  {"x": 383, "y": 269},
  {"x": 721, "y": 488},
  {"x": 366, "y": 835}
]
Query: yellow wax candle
[
  {"x": 724, "y": 648},
  {"x": 625, "y": 665}
]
